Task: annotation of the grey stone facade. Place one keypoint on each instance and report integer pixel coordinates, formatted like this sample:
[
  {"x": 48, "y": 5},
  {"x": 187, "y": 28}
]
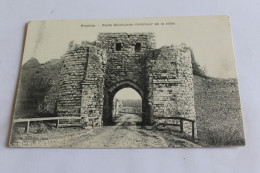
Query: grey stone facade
[{"x": 92, "y": 73}]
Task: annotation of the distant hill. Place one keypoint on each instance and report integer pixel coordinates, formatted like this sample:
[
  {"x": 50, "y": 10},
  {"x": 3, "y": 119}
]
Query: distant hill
[
  {"x": 31, "y": 63},
  {"x": 131, "y": 102}
]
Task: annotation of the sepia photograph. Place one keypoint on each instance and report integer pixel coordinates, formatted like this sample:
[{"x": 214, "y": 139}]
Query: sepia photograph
[{"x": 128, "y": 83}]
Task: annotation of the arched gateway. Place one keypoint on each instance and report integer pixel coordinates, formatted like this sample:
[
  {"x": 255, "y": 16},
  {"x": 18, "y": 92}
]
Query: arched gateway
[
  {"x": 93, "y": 72},
  {"x": 108, "y": 99}
]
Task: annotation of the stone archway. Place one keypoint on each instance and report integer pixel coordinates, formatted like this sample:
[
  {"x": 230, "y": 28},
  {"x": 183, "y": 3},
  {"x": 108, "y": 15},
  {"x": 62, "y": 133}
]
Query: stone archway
[
  {"x": 109, "y": 96},
  {"x": 126, "y": 83}
]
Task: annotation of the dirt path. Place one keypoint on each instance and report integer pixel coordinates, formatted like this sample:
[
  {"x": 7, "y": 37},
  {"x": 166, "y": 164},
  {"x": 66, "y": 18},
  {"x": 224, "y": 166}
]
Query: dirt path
[{"x": 125, "y": 134}]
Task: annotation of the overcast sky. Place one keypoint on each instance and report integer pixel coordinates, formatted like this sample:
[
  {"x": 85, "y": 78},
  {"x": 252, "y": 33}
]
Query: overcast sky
[
  {"x": 209, "y": 37},
  {"x": 127, "y": 93}
]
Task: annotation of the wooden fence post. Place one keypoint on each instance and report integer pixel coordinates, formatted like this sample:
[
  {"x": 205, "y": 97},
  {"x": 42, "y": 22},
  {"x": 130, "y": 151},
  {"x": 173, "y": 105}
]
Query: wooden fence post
[
  {"x": 181, "y": 125},
  {"x": 57, "y": 123},
  {"x": 193, "y": 136},
  {"x": 27, "y": 127}
]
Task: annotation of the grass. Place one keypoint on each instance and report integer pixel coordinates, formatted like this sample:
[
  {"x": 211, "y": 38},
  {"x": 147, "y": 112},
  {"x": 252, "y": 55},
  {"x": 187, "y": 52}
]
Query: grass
[
  {"x": 43, "y": 131},
  {"x": 218, "y": 112},
  {"x": 216, "y": 131}
]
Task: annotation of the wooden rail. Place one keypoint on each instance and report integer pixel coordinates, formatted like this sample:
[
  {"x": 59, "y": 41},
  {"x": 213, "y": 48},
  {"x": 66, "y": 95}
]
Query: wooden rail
[
  {"x": 181, "y": 123},
  {"x": 57, "y": 119}
]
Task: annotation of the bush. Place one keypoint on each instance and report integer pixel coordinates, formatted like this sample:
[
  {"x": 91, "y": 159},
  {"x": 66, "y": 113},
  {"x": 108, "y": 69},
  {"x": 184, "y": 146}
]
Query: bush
[
  {"x": 197, "y": 69},
  {"x": 40, "y": 127}
]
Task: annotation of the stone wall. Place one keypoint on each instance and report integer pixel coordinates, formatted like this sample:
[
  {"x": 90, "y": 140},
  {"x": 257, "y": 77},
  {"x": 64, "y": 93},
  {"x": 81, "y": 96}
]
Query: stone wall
[
  {"x": 72, "y": 74},
  {"x": 93, "y": 87},
  {"x": 125, "y": 64},
  {"x": 170, "y": 91},
  {"x": 81, "y": 83}
]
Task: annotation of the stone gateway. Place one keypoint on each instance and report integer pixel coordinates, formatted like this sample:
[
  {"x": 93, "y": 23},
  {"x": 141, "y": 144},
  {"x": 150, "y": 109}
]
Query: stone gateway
[{"x": 93, "y": 72}]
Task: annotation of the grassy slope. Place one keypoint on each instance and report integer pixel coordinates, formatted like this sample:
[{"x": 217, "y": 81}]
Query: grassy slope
[
  {"x": 35, "y": 81},
  {"x": 217, "y": 104}
]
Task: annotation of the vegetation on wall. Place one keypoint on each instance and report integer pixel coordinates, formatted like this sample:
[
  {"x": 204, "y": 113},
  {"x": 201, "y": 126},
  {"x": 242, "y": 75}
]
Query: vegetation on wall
[{"x": 197, "y": 69}]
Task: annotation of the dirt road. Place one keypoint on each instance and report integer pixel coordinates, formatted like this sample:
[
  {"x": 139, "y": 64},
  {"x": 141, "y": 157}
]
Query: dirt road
[{"x": 125, "y": 134}]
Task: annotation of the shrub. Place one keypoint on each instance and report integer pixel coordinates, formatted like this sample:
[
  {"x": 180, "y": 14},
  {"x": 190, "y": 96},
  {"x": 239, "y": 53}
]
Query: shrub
[{"x": 197, "y": 69}]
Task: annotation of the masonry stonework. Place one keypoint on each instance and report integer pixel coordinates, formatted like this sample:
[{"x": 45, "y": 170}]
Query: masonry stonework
[{"x": 92, "y": 73}]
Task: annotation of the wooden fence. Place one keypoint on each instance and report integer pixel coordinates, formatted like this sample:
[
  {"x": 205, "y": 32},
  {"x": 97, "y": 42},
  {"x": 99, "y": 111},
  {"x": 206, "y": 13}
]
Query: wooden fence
[
  {"x": 57, "y": 119},
  {"x": 181, "y": 119}
]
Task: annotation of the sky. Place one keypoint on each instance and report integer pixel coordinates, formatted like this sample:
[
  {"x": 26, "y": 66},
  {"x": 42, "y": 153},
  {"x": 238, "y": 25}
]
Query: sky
[
  {"x": 208, "y": 36},
  {"x": 127, "y": 93}
]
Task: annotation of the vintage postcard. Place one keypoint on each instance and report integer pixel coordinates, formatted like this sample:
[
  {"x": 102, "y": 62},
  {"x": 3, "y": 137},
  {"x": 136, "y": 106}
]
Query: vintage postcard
[{"x": 128, "y": 83}]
